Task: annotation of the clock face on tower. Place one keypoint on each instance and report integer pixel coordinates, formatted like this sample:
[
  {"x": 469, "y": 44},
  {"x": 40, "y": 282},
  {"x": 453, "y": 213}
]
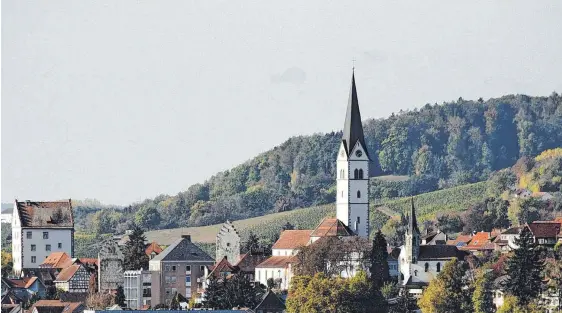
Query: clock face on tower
[{"x": 358, "y": 153}]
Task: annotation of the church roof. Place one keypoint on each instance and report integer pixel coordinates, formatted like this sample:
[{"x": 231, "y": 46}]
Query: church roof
[
  {"x": 433, "y": 252},
  {"x": 277, "y": 262},
  {"x": 353, "y": 129},
  {"x": 412, "y": 221},
  {"x": 248, "y": 262},
  {"x": 292, "y": 239},
  {"x": 331, "y": 227}
]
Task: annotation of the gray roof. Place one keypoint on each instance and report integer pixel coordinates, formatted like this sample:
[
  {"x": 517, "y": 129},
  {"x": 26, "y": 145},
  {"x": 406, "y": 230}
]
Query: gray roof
[
  {"x": 512, "y": 231},
  {"x": 432, "y": 252},
  {"x": 353, "y": 129},
  {"x": 412, "y": 221},
  {"x": 183, "y": 250}
]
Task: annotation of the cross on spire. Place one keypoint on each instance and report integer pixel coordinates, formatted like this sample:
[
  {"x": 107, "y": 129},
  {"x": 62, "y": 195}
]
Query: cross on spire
[{"x": 353, "y": 61}]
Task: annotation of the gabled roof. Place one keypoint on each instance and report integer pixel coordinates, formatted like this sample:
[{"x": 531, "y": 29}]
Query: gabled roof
[
  {"x": 24, "y": 282},
  {"x": 183, "y": 250},
  {"x": 478, "y": 241},
  {"x": 270, "y": 303},
  {"x": 353, "y": 128},
  {"x": 544, "y": 229},
  {"x": 331, "y": 227},
  {"x": 292, "y": 239},
  {"x": 56, "y": 306},
  {"x": 67, "y": 273},
  {"x": 512, "y": 231},
  {"x": 52, "y": 214},
  {"x": 153, "y": 247},
  {"x": 432, "y": 252},
  {"x": 460, "y": 239},
  {"x": 248, "y": 262},
  {"x": 55, "y": 260},
  {"x": 277, "y": 262},
  {"x": 223, "y": 266}
]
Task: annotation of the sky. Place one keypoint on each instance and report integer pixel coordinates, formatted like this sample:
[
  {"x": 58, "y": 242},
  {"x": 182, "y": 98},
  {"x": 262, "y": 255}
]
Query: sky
[{"x": 125, "y": 100}]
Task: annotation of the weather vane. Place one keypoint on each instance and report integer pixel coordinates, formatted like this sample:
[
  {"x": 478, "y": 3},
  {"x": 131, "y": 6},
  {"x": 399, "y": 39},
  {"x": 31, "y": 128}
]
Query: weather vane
[{"x": 353, "y": 61}]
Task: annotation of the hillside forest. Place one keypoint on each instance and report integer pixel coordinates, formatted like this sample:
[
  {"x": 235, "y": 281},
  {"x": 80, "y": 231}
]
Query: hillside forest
[{"x": 438, "y": 146}]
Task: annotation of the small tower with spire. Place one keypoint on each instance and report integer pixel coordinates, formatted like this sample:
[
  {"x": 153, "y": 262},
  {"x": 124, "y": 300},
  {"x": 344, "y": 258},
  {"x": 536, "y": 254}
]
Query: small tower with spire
[
  {"x": 352, "y": 199},
  {"x": 412, "y": 242}
]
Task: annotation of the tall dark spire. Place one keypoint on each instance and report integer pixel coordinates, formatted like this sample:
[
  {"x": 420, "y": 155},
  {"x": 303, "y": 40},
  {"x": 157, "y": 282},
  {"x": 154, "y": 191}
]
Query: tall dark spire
[
  {"x": 412, "y": 221},
  {"x": 353, "y": 129}
]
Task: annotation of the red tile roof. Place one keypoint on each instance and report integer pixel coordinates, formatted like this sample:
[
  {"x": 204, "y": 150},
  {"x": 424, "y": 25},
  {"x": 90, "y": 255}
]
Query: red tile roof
[
  {"x": 68, "y": 307},
  {"x": 277, "y": 261},
  {"x": 55, "y": 260},
  {"x": 331, "y": 227},
  {"x": 545, "y": 229},
  {"x": 292, "y": 239},
  {"x": 52, "y": 214},
  {"x": 24, "y": 282},
  {"x": 248, "y": 262},
  {"x": 153, "y": 247},
  {"x": 462, "y": 238},
  {"x": 222, "y": 266},
  {"x": 478, "y": 241},
  {"x": 67, "y": 273}
]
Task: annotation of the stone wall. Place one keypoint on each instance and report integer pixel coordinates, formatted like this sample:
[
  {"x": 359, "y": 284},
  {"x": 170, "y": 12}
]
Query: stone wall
[
  {"x": 110, "y": 270},
  {"x": 228, "y": 243}
]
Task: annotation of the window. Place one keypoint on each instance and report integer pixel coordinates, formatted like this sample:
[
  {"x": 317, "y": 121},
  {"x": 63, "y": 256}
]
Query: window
[
  {"x": 47, "y": 247},
  {"x": 342, "y": 193},
  {"x": 416, "y": 273},
  {"x": 426, "y": 267},
  {"x": 173, "y": 268},
  {"x": 45, "y": 235},
  {"x": 60, "y": 245},
  {"x": 174, "y": 279},
  {"x": 358, "y": 194},
  {"x": 228, "y": 244},
  {"x": 167, "y": 268},
  {"x": 361, "y": 174},
  {"x": 29, "y": 235},
  {"x": 438, "y": 267},
  {"x": 33, "y": 259},
  {"x": 168, "y": 291},
  {"x": 356, "y": 174},
  {"x": 358, "y": 219},
  {"x": 188, "y": 268},
  {"x": 202, "y": 268},
  {"x": 33, "y": 248}
]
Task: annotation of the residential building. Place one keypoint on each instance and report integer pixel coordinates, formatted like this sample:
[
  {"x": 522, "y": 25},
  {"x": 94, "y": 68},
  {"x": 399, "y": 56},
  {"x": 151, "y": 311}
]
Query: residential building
[
  {"x": 138, "y": 289},
  {"x": 392, "y": 260},
  {"x": 434, "y": 237},
  {"x": 110, "y": 266},
  {"x": 419, "y": 264},
  {"x": 505, "y": 242},
  {"x": 74, "y": 278},
  {"x": 460, "y": 241},
  {"x": 481, "y": 242},
  {"x": 31, "y": 285},
  {"x": 228, "y": 243},
  {"x": 179, "y": 268},
  {"x": 38, "y": 229},
  {"x": 55, "y": 260},
  {"x": 545, "y": 233},
  {"x": 270, "y": 304},
  {"x": 152, "y": 250},
  {"x": 352, "y": 197},
  {"x": 56, "y": 306}
]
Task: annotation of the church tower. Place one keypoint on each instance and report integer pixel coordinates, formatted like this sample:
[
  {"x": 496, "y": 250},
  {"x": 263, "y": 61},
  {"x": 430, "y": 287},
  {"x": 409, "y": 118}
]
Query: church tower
[
  {"x": 412, "y": 242},
  {"x": 352, "y": 199}
]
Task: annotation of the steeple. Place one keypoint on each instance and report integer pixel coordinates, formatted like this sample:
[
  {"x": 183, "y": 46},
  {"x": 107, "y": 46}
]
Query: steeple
[
  {"x": 412, "y": 221},
  {"x": 353, "y": 129}
]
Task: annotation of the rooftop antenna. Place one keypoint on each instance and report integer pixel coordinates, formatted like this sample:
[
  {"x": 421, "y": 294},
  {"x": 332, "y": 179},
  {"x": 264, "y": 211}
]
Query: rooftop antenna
[{"x": 353, "y": 62}]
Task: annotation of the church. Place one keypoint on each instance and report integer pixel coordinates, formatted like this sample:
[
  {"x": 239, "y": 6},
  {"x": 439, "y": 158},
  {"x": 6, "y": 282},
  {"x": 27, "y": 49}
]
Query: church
[{"x": 352, "y": 203}]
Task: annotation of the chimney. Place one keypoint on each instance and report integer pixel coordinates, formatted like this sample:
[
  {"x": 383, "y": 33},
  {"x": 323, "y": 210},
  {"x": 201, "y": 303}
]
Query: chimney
[{"x": 188, "y": 237}]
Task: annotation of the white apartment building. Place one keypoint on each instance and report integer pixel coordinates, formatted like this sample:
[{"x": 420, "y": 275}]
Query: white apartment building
[
  {"x": 38, "y": 229},
  {"x": 137, "y": 288}
]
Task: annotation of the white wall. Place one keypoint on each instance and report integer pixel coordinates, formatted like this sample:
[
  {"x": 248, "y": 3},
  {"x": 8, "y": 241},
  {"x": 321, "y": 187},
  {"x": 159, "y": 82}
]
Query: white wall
[
  {"x": 263, "y": 274},
  {"x": 283, "y": 252},
  {"x": 408, "y": 270},
  {"x": 56, "y": 236}
]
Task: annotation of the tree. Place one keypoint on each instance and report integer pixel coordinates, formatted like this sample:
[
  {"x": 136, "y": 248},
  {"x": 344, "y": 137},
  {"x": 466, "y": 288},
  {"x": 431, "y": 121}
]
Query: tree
[
  {"x": 214, "y": 294},
  {"x": 7, "y": 264},
  {"x": 161, "y": 306},
  {"x": 406, "y": 303},
  {"x": 51, "y": 293},
  {"x": 379, "y": 262},
  {"x": 251, "y": 244},
  {"x": 228, "y": 293},
  {"x": 288, "y": 226},
  {"x": 447, "y": 292},
  {"x": 134, "y": 254},
  {"x": 120, "y": 297},
  {"x": 100, "y": 301},
  {"x": 482, "y": 298},
  {"x": 177, "y": 299},
  {"x": 524, "y": 269}
]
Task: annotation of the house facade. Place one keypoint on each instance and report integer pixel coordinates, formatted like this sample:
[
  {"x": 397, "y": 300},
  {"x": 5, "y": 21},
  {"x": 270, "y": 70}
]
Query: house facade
[
  {"x": 74, "y": 278},
  {"x": 39, "y": 228},
  {"x": 137, "y": 287},
  {"x": 181, "y": 268}
]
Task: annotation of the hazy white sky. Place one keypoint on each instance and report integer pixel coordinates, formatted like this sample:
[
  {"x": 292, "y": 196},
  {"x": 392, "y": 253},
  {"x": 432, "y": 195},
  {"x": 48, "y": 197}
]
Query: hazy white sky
[{"x": 129, "y": 99}]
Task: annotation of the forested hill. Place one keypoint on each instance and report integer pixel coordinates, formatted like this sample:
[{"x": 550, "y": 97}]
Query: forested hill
[{"x": 437, "y": 146}]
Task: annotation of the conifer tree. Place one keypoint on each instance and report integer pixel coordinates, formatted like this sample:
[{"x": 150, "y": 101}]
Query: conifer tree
[
  {"x": 406, "y": 303},
  {"x": 120, "y": 297},
  {"x": 482, "y": 298},
  {"x": 252, "y": 244},
  {"x": 379, "y": 262},
  {"x": 524, "y": 268},
  {"x": 214, "y": 294},
  {"x": 134, "y": 254}
]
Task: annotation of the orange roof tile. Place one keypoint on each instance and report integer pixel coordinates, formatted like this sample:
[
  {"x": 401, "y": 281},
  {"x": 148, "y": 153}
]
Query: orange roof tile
[
  {"x": 153, "y": 247},
  {"x": 88, "y": 261},
  {"x": 68, "y": 307},
  {"x": 277, "y": 261},
  {"x": 292, "y": 239},
  {"x": 478, "y": 241},
  {"x": 67, "y": 273},
  {"x": 24, "y": 282},
  {"x": 222, "y": 266},
  {"x": 331, "y": 227},
  {"x": 55, "y": 260}
]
